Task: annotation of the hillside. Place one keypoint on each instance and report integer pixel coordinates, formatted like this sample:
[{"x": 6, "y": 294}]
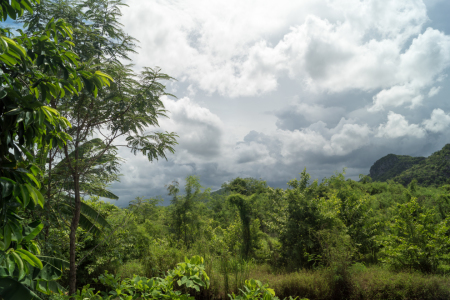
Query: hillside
[
  {"x": 393, "y": 165},
  {"x": 431, "y": 171}
]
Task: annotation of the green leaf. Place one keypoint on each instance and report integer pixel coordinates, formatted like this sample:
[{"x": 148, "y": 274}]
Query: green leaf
[
  {"x": 19, "y": 263},
  {"x": 7, "y": 186},
  {"x": 31, "y": 176},
  {"x": 45, "y": 110},
  {"x": 32, "y": 230},
  {"x": 30, "y": 258},
  {"x": 32, "y": 193},
  {"x": 52, "y": 268},
  {"x": 25, "y": 195},
  {"x": 93, "y": 214},
  {"x": 3, "y": 94},
  {"x": 104, "y": 75},
  {"x": 11, "y": 289},
  {"x": 15, "y": 47},
  {"x": 35, "y": 170},
  {"x": 8, "y": 59},
  {"x": 41, "y": 200},
  {"x": 10, "y": 264},
  {"x": 87, "y": 225},
  {"x": 7, "y": 236},
  {"x": 16, "y": 230},
  {"x": 26, "y": 152},
  {"x": 3, "y": 45}
]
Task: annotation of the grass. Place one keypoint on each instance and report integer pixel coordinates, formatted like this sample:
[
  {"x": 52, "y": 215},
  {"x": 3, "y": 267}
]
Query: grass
[
  {"x": 378, "y": 283},
  {"x": 367, "y": 283},
  {"x": 372, "y": 283}
]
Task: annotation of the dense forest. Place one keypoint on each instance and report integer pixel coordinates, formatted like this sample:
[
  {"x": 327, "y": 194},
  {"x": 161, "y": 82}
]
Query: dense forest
[{"x": 69, "y": 98}]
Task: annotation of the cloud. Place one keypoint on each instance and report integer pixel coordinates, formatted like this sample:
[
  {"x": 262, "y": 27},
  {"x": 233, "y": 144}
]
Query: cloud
[
  {"x": 338, "y": 141},
  {"x": 438, "y": 122},
  {"x": 350, "y": 138},
  {"x": 253, "y": 152},
  {"x": 300, "y": 115},
  {"x": 434, "y": 91},
  {"x": 396, "y": 96},
  {"x": 333, "y": 46},
  {"x": 397, "y": 126},
  {"x": 275, "y": 156},
  {"x": 200, "y": 131},
  {"x": 315, "y": 83}
]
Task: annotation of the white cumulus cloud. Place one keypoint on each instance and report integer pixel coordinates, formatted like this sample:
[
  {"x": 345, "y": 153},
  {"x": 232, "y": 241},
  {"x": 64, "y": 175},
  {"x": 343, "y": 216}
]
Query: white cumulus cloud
[
  {"x": 243, "y": 48},
  {"x": 396, "y": 96},
  {"x": 438, "y": 122},
  {"x": 397, "y": 126},
  {"x": 348, "y": 139}
]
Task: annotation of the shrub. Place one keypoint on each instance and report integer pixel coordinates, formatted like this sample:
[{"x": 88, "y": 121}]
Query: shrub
[
  {"x": 131, "y": 268},
  {"x": 256, "y": 290},
  {"x": 187, "y": 275}
]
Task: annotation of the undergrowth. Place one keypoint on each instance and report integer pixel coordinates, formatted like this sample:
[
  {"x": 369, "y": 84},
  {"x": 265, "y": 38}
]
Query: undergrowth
[{"x": 366, "y": 283}]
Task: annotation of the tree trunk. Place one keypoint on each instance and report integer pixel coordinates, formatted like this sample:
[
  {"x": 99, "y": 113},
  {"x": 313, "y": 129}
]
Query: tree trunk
[{"x": 73, "y": 237}]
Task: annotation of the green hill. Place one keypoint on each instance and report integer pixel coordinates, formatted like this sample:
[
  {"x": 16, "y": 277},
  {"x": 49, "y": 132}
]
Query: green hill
[
  {"x": 391, "y": 165},
  {"x": 431, "y": 171}
]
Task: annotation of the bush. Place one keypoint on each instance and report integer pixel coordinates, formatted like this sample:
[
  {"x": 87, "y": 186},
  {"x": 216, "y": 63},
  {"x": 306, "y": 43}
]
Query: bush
[
  {"x": 159, "y": 257},
  {"x": 415, "y": 240},
  {"x": 187, "y": 275},
  {"x": 131, "y": 268},
  {"x": 256, "y": 290}
]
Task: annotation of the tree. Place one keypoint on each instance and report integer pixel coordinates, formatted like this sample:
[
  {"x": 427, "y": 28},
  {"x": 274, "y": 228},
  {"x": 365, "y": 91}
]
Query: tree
[
  {"x": 185, "y": 214},
  {"x": 35, "y": 68},
  {"x": 123, "y": 110},
  {"x": 243, "y": 205},
  {"x": 144, "y": 208},
  {"x": 415, "y": 240},
  {"x": 58, "y": 189},
  {"x": 245, "y": 186},
  {"x": 300, "y": 244}
]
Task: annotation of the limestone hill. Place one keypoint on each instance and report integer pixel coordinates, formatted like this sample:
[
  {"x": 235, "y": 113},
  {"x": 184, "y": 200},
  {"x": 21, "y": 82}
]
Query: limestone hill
[{"x": 431, "y": 171}]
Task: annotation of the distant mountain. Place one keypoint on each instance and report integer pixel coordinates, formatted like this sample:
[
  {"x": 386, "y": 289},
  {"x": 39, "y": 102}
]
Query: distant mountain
[
  {"x": 433, "y": 170},
  {"x": 391, "y": 165},
  {"x": 221, "y": 191}
]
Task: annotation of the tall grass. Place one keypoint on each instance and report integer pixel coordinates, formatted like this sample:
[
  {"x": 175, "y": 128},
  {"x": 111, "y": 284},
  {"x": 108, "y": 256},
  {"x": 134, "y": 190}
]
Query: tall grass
[
  {"x": 373, "y": 283},
  {"x": 228, "y": 274},
  {"x": 235, "y": 271}
]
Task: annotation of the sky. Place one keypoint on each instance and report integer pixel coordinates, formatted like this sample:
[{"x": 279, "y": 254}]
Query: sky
[{"x": 267, "y": 88}]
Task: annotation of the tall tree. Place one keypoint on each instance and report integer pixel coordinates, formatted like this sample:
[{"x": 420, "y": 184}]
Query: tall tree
[
  {"x": 120, "y": 114},
  {"x": 34, "y": 69}
]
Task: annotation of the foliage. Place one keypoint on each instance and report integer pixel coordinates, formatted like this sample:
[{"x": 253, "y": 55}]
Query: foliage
[
  {"x": 125, "y": 109},
  {"x": 255, "y": 290},
  {"x": 189, "y": 274},
  {"x": 339, "y": 225},
  {"x": 35, "y": 68},
  {"x": 67, "y": 97},
  {"x": 244, "y": 207},
  {"x": 300, "y": 245},
  {"x": 245, "y": 186},
  {"x": 186, "y": 209},
  {"x": 416, "y": 241}
]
